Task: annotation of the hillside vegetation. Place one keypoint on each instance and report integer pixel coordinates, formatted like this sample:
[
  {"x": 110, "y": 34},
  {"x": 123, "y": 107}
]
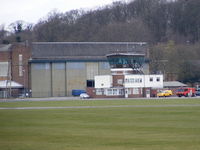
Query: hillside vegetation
[{"x": 171, "y": 27}]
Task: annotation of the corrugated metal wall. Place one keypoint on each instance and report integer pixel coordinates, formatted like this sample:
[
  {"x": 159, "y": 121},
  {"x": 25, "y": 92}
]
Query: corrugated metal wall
[
  {"x": 92, "y": 70},
  {"x": 59, "y": 79},
  {"x": 76, "y": 76},
  {"x": 104, "y": 68},
  {"x": 41, "y": 79}
]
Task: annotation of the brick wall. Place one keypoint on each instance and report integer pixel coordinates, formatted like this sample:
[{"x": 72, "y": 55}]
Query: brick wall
[
  {"x": 20, "y": 49},
  {"x": 92, "y": 93},
  {"x": 4, "y": 56},
  {"x": 134, "y": 95},
  {"x": 118, "y": 80}
]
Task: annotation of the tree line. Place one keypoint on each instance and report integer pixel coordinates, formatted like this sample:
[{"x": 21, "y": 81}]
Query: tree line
[{"x": 171, "y": 27}]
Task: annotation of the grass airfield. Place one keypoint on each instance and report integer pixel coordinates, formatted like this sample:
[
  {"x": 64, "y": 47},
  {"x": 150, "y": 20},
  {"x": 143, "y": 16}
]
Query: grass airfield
[{"x": 154, "y": 124}]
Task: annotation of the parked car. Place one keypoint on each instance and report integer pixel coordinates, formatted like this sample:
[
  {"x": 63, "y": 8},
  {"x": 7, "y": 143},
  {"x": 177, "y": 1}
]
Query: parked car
[
  {"x": 84, "y": 96},
  {"x": 77, "y": 92},
  {"x": 198, "y": 92},
  {"x": 187, "y": 92},
  {"x": 165, "y": 93}
]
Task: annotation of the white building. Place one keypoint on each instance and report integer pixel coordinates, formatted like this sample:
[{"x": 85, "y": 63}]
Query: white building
[
  {"x": 143, "y": 81},
  {"x": 127, "y": 85}
]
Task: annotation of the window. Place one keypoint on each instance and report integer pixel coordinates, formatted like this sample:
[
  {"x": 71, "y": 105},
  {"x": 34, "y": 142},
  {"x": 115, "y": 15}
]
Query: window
[
  {"x": 3, "y": 69},
  {"x": 75, "y": 65},
  {"x": 59, "y": 66},
  {"x": 104, "y": 65},
  {"x": 20, "y": 71},
  {"x": 138, "y": 80},
  {"x": 133, "y": 80},
  {"x": 90, "y": 83},
  {"x": 129, "y": 91},
  {"x": 151, "y": 79},
  {"x": 114, "y": 92},
  {"x": 136, "y": 91},
  {"x": 41, "y": 66},
  {"x": 20, "y": 65},
  {"x": 158, "y": 79},
  {"x": 99, "y": 91},
  {"x": 120, "y": 81},
  {"x": 121, "y": 92},
  {"x": 109, "y": 92}
]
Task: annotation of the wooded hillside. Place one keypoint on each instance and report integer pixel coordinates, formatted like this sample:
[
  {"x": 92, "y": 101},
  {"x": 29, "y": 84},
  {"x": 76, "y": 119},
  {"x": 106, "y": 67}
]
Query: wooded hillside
[{"x": 171, "y": 27}]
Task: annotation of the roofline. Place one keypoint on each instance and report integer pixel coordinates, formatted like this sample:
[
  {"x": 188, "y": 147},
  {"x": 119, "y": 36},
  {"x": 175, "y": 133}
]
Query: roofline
[
  {"x": 64, "y": 61},
  {"x": 139, "y": 43},
  {"x": 125, "y": 54}
]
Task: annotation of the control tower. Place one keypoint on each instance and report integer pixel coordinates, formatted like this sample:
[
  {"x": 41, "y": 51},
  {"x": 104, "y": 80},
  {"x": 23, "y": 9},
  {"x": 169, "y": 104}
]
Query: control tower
[
  {"x": 126, "y": 63},
  {"x": 127, "y": 78}
]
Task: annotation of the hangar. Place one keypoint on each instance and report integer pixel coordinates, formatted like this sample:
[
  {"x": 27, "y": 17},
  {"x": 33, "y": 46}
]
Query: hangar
[{"x": 57, "y": 68}]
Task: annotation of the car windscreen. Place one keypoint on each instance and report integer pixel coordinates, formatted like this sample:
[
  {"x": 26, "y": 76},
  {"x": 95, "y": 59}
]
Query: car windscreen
[{"x": 180, "y": 90}]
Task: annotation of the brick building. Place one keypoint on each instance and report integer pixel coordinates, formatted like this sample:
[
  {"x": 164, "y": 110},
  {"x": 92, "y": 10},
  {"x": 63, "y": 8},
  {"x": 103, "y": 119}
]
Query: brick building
[
  {"x": 14, "y": 69},
  {"x": 20, "y": 56}
]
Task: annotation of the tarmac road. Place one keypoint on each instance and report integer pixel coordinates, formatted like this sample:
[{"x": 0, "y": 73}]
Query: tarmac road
[
  {"x": 112, "y": 106},
  {"x": 78, "y": 98}
]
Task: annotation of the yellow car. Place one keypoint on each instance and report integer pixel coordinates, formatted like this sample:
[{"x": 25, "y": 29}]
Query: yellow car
[{"x": 165, "y": 93}]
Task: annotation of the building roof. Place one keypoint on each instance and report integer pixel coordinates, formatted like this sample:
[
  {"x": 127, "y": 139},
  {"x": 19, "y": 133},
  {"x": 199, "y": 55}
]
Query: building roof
[
  {"x": 126, "y": 54},
  {"x": 5, "y": 47},
  {"x": 9, "y": 84},
  {"x": 174, "y": 84},
  {"x": 83, "y": 50}
]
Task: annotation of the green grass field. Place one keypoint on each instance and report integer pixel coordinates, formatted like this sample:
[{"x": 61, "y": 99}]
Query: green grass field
[{"x": 123, "y": 128}]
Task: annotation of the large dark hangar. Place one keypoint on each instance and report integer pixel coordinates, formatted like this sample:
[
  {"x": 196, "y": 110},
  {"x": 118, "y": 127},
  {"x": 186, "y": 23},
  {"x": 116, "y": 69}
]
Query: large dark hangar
[{"x": 59, "y": 67}]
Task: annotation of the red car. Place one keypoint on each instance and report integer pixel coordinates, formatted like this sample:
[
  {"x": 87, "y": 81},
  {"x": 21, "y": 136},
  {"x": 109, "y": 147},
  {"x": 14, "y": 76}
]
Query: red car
[{"x": 187, "y": 92}]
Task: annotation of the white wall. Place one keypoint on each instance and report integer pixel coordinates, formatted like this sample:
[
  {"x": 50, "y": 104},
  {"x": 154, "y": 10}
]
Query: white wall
[
  {"x": 155, "y": 83},
  {"x": 103, "y": 81},
  {"x": 133, "y": 81}
]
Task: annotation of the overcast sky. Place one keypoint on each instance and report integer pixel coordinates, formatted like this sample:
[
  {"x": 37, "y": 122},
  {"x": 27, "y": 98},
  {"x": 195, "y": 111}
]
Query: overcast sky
[{"x": 31, "y": 11}]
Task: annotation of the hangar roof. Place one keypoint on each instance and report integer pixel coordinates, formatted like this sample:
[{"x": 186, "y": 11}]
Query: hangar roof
[{"x": 84, "y": 50}]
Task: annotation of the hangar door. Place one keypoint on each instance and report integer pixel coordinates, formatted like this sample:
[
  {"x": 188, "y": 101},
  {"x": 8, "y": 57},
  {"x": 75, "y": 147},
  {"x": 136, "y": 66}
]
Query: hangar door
[{"x": 92, "y": 70}]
